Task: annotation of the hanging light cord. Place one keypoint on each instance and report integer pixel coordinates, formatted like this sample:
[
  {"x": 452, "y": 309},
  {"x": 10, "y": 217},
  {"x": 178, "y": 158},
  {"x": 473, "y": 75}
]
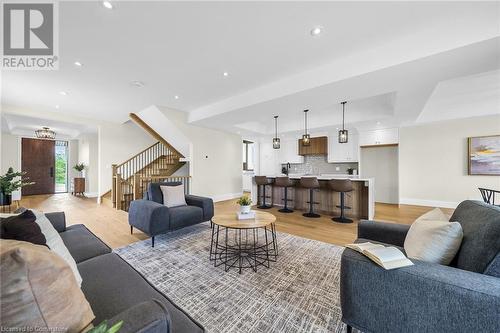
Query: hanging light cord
[
  {"x": 276, "y": 126},
  {"x": 343, "y": 115},
  {"x": 305, "y": 116}
]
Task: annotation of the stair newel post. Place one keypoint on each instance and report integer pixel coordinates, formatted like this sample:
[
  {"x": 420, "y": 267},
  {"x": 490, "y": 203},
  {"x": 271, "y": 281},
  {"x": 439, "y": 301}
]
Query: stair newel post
[
  {"x": 119, "y": 195},
  {"x": 137, "y": 186},
  {"x": 113, "y": 185}
]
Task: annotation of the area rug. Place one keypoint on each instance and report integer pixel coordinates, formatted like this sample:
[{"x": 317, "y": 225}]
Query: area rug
[{"x": 298, "y": 293}]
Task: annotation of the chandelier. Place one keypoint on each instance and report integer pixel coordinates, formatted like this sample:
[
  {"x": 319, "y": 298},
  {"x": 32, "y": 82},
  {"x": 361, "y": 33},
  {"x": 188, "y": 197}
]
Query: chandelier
[{"x": 45, "y": 133}]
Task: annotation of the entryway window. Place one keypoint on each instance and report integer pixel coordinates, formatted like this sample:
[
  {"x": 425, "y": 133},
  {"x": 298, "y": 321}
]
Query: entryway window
[{"x": 61, "y": 166}]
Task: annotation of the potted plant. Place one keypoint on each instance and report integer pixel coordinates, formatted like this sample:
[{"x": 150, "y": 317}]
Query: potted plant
[
  {"x": 245, "y": 204},
  {"x": 9, "y": 184},
  {"x": 80, "y": 167}
]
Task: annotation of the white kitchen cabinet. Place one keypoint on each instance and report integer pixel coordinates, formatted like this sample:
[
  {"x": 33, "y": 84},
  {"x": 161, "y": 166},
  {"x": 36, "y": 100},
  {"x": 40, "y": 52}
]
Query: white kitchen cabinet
[
  {"x": 343, "y": 152},
  {"x": 289, "y": 152},
  {"x": 379, "y": 137},
  {"x": 269, "y": 159}
]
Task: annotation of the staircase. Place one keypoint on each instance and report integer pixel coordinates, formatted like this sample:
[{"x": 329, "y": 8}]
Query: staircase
[{"x": 131, "y": 178}]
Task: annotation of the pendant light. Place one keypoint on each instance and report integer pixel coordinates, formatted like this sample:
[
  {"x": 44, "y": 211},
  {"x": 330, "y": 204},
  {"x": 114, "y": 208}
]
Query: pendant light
[
  {"x": 306, "y": 138},
  {"x": 343, "y": 133},
  {"x": 276, "y": 140}
]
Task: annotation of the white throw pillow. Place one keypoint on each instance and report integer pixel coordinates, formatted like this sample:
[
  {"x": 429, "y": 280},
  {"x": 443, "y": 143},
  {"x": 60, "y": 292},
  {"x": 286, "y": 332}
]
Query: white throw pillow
[
  {"x": 433, "y": 239},
  {"x": 56, "y": 244},
  {"x": 173, "y": 196}
]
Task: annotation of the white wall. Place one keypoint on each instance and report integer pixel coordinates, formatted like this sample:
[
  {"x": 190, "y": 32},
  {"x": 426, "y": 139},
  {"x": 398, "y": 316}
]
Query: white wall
[
  {"x": 433, "y": 162},
  {"x": 381, "y": 163},
  {"x": 88, "y": 154},
  {"x": 117, "y": 143},
  {"x": 215, "y": 159},
  {"x": 73, "y": 151},
  {"x": 10, "y": 152}
]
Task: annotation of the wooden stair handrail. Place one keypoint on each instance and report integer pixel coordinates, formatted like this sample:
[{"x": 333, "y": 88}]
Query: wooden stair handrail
[
  {"x": 136, "y": 155},
  {"x": 153, "y": 133}
]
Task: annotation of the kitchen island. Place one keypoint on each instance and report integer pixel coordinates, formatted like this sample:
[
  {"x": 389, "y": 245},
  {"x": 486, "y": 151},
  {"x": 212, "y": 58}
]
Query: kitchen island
[{"x": 361, "y": 199}]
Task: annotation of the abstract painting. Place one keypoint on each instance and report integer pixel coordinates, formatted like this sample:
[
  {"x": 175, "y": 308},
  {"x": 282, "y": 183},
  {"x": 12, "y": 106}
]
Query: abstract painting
[{"x": 484, "y": 155}]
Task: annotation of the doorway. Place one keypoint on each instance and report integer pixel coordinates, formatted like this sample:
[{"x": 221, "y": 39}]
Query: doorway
[
  {"x": 46, "y": 164},
  {"x": 381, "y": 163}
]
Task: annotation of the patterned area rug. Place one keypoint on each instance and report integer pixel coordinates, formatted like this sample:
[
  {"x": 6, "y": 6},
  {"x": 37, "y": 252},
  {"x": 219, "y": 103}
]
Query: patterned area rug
[{"x": 298, "y": 293}]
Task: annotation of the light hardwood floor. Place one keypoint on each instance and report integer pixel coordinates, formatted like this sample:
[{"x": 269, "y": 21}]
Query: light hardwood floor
[{"x": 112, "y": 226}]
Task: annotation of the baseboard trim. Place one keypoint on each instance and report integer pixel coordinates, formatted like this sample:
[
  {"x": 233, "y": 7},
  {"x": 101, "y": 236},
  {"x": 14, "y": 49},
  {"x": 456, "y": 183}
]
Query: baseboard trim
[
  {"x": 428, "y": 203},
  {"x": 91, "y": 194},
  {"x": 227, "y": 196}
]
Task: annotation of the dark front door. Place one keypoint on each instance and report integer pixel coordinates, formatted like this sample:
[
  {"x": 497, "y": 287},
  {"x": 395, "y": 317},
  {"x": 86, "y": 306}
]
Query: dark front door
[{"x": 38, "y": 160}]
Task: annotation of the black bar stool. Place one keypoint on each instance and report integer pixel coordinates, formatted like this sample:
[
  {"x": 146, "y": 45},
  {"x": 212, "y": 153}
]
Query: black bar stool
[
  {"x": 263, "y": 181},
  {"x": 284, "y": 182},
  {"x": 342, "y": 186},
  {"x": 311, "y": 183}
]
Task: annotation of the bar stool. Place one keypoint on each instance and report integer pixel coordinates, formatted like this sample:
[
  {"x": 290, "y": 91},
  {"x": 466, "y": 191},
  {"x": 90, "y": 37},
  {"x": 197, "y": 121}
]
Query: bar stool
[
  {"x": 342, "y": 186},
  {"x": 311, "y": 183},
  {"x": 284, "y": 182},
  {"x": 263, "y": 181}
]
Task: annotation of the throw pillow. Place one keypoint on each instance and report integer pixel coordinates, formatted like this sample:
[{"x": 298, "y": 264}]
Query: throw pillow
[
  {"x": 432, "y": 238},
  {"x": 173, "y": 196},
  {"x": 39, "y": 290},
  {"x": 22, "y": 227},
  {"x": 55, "y": 243}
]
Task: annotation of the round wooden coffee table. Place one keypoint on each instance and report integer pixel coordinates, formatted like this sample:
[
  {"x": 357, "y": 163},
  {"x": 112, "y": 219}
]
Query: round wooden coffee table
[{"x": 243, "y": 243}]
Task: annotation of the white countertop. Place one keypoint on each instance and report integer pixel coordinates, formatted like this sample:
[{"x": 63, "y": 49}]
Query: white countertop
[{"x": 324, "y": 177}]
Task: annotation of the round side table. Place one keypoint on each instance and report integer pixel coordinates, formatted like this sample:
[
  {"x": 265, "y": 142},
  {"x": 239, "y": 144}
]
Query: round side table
[{"x": 243, "y": 244}]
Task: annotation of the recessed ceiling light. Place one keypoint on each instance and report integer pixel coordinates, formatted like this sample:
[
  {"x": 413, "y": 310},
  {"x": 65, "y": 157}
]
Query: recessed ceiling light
[
  {"x": 57, "y": 106},
  {"x": 176, "y": 97},
  {"x": 225, "y": 74},
  {"x": 138, "y": 84},
  {"x": 378, "y": 122},
  {"x": 316, "y": 31},
  {"x": 77, "y": 63},
  {"x": 107, "y": 4},
  {"x": 63, "y": 93}
]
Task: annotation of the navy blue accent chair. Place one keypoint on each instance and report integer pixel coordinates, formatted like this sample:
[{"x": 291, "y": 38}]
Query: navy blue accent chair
[
  {"x": 463, "y": 297},
  {"x": 153, "y": 218}
]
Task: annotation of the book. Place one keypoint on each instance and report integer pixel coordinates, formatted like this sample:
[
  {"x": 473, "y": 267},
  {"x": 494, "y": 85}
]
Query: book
[
  {"x": 388, "y": 257},
  {"x": 248, "y": 216}
]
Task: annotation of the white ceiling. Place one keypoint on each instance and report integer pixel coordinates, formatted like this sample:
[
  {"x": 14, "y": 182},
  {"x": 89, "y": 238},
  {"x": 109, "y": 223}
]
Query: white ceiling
[
  {"x": 26, "y": 126},
  {"x": 384, "y": 57}
]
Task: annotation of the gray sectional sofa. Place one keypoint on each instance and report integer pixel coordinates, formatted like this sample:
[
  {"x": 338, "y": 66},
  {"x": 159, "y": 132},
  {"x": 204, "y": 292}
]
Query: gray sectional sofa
[
  {"x": 115, "y": 290},
  {"x": 461, "y": 298},
  {"x": 153, "y": 218}
]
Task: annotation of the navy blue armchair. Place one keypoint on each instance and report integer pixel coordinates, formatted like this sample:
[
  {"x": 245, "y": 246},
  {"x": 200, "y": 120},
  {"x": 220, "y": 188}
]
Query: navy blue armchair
[
  {"x": 463, "y": 297},
  {"x": 153, "y": 218}
]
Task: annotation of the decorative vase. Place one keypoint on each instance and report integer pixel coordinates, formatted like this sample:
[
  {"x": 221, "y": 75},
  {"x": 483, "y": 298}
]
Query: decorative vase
[
  {"x": 5, "y": 199},
  {"x": 245, "y": 209}
]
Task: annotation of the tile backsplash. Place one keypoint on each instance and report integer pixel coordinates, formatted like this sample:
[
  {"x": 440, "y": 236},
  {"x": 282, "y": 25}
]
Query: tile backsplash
[{"x": 317, "y": 164}]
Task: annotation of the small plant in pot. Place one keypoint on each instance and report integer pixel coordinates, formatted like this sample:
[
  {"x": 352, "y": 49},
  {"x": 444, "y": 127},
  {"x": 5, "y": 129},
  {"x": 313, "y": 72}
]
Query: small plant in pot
[
  {"x": 245, "y": 204},
  {"x": 9, "y": 183},
  {"x": 79, "y": 167}
]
